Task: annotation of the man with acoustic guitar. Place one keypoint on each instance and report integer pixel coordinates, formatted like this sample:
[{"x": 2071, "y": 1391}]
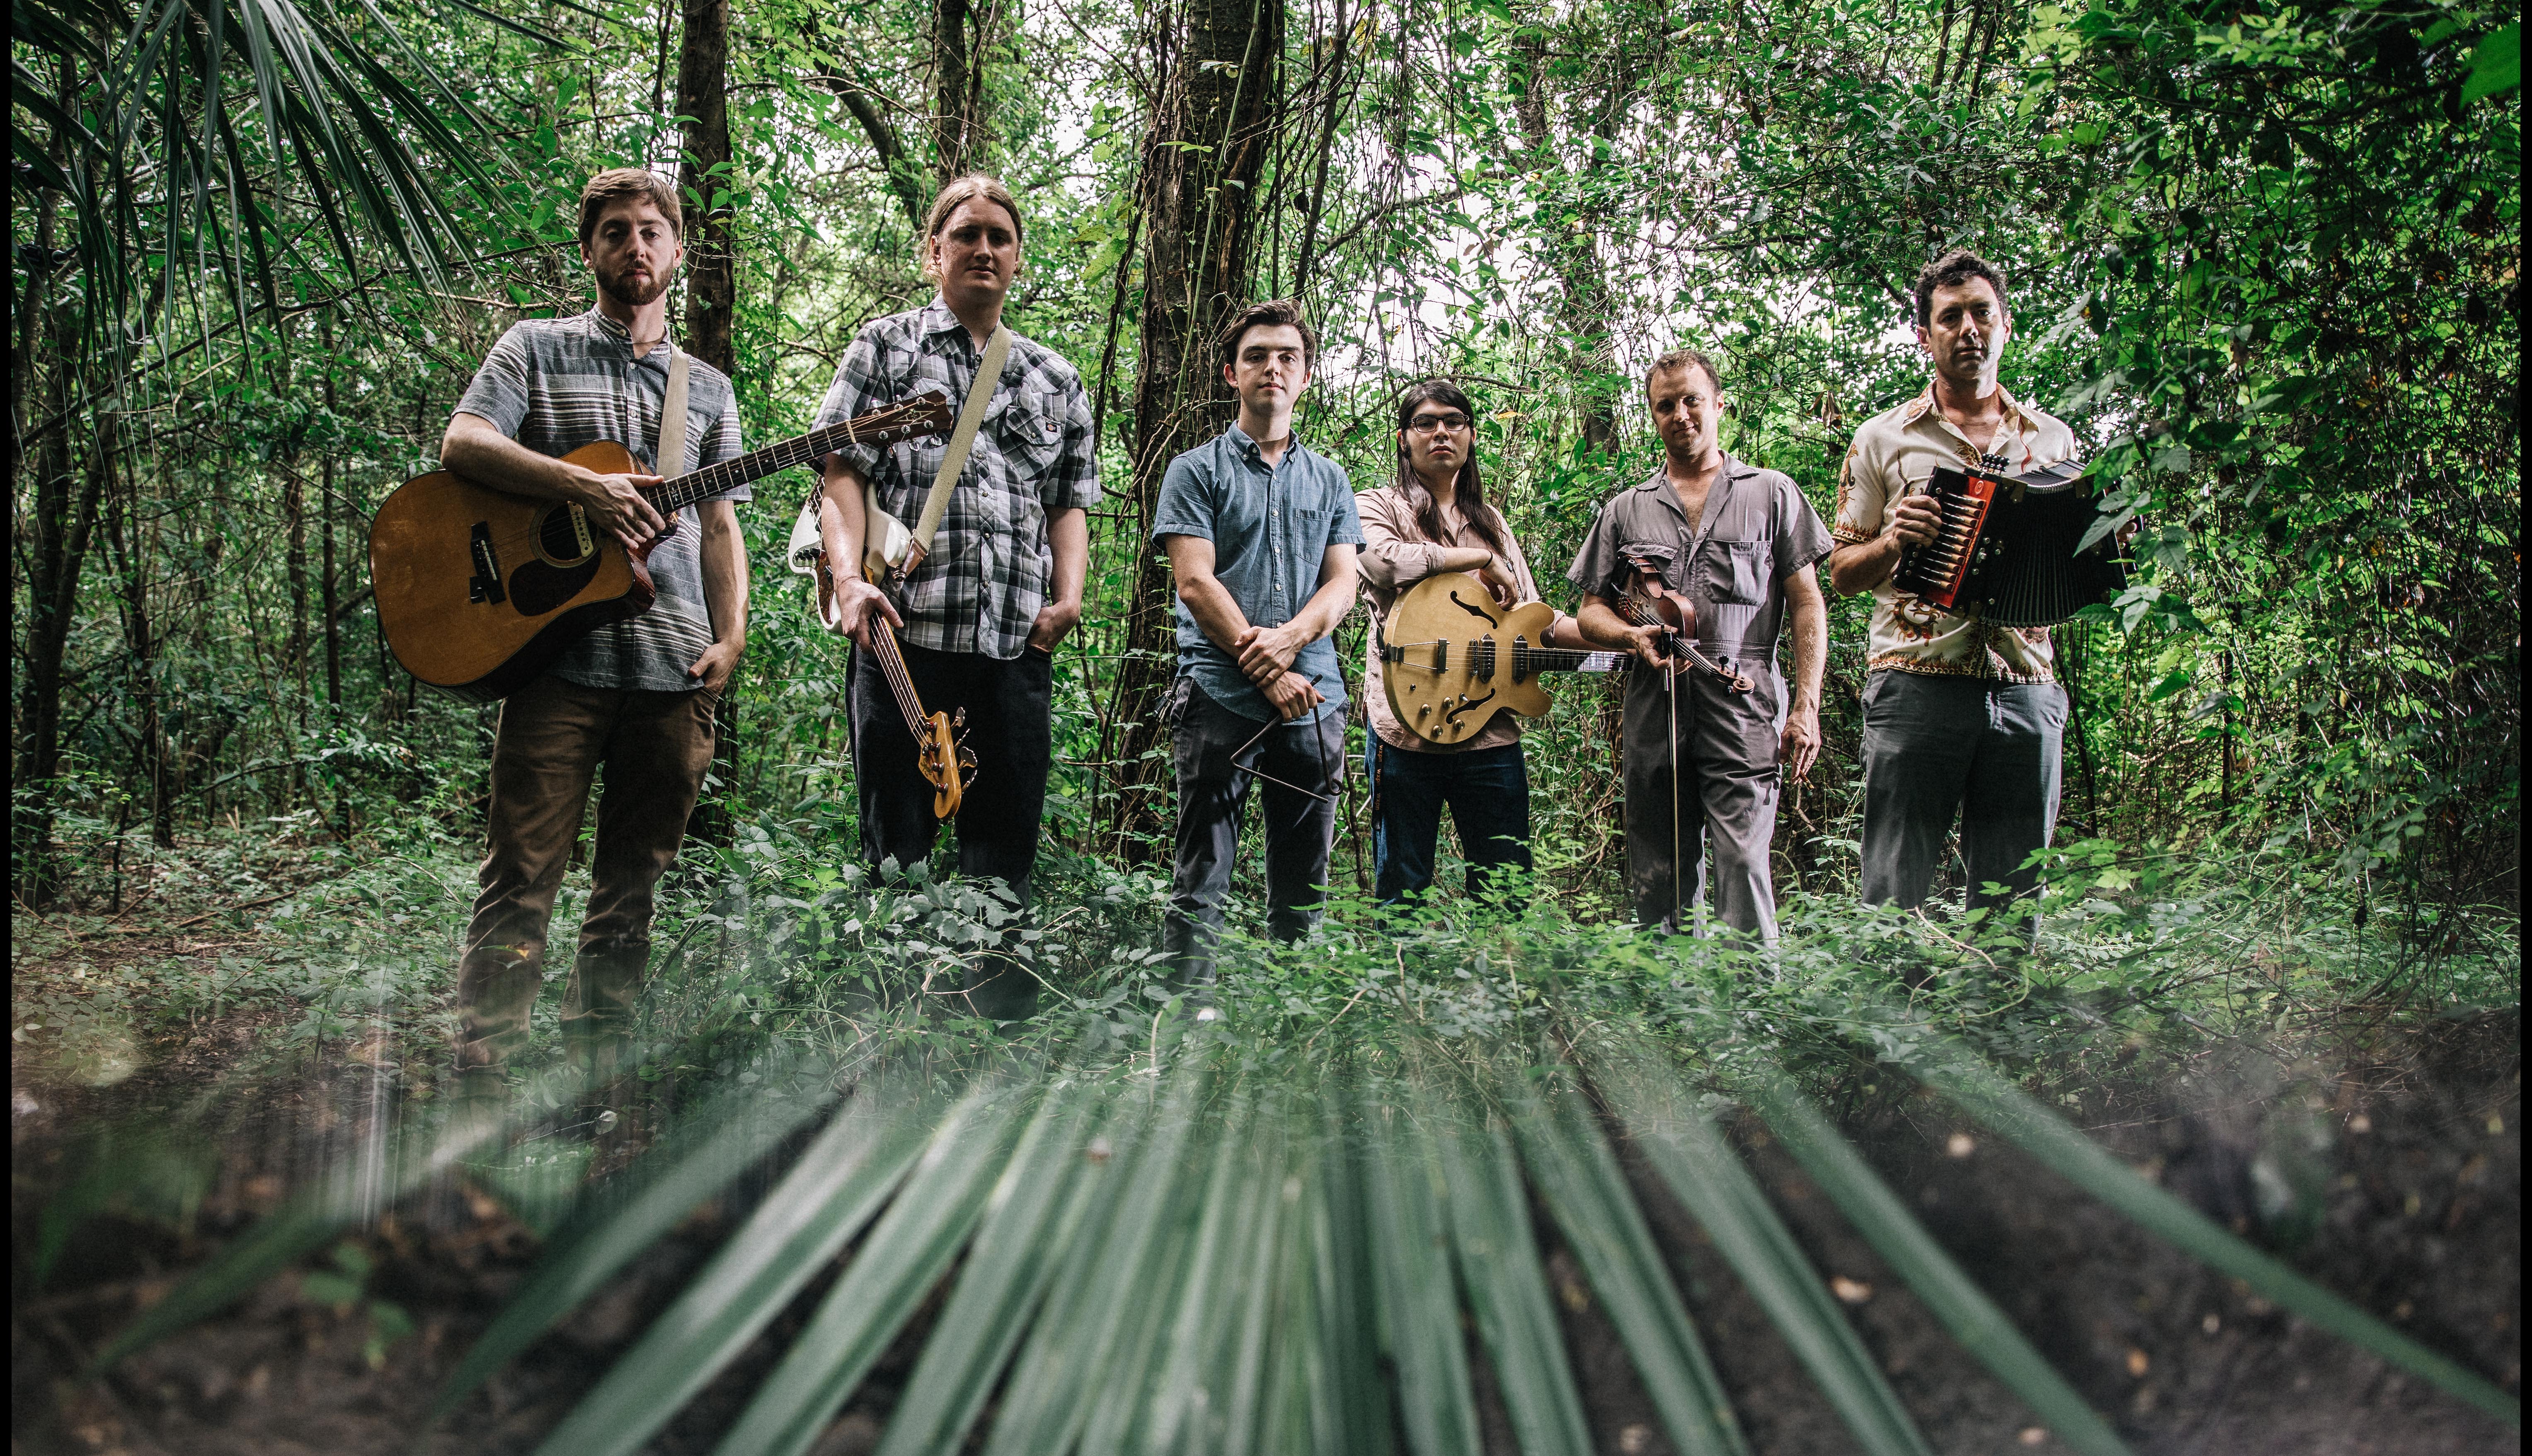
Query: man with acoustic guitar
[
  {"x": 982, "y": 605},
  {"x": 1709, "y": 545},
  {"x": 635, "y": 695},
  {"x": 1961, "y": 717}
]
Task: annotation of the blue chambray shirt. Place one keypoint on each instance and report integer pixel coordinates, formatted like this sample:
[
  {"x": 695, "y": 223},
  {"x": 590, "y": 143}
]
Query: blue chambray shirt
[{"x": 1270, "y": 529}]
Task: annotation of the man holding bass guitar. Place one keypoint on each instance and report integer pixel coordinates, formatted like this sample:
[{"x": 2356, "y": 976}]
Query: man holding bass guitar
[
  {"x": 636, "y": 695},
  {"x": 1732, "y": 545},
  {"x": 982, "y": 607}
]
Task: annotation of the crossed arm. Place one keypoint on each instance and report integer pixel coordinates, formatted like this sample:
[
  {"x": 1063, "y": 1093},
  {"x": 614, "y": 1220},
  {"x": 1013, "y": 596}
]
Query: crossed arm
[{"x": 1264, "y": 653}]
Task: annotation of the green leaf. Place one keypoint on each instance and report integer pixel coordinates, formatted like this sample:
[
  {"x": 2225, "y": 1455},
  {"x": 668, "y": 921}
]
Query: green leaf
[
  {"x": 1912, "y": 1254},
  {"x": 1410, "y": 1267},
  {"x": 692, "y": 1164},
  {"x": 1579, "y": 1177},
  {"x": 894, "y": 1270},
  {"x": 2496, "y": 64},
  {"x": 1692, "y": 1158},
  {"x": 1507, "y": 1287},
  {"x": 836, "y": 1188}
]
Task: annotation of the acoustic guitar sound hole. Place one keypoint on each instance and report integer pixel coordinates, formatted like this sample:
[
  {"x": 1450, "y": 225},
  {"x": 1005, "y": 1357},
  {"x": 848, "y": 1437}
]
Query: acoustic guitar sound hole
[{"x": 559, "y": 536}]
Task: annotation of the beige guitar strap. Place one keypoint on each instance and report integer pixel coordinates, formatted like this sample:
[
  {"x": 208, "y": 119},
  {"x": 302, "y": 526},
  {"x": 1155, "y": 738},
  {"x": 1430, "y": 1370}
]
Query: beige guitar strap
[
  {"x": 670, "y": 460},
  {"x": 989, "y": 372}
]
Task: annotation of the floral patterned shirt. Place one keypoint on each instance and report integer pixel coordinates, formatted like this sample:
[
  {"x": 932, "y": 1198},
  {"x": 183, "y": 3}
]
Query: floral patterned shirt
[{"x": 1897, "y": 452}]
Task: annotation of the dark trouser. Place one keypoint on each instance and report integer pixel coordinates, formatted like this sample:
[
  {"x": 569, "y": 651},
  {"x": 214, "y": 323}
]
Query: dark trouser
[
  {"x": 1009, "y": 728},
  {"x": 1936, "y": 745},
  {"x": 552, "y": 738},
  {"x": 1487, "y": 792},
  {"x": 1217, "y": 752}
]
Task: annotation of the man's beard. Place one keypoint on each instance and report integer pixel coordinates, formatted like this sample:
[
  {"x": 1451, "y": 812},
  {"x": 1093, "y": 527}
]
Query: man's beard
[{"x": 629, "y": 295}]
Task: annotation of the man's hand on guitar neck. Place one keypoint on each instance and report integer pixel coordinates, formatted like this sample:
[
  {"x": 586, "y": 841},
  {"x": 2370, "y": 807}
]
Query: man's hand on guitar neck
[{"x": 616, "y": 505}]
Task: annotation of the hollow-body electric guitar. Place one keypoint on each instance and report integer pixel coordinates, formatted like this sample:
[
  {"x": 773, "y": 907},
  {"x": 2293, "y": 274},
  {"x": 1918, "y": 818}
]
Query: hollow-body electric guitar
[
  {"x": 1452, "y": 657},
  {"x": 478, "y": 589}
]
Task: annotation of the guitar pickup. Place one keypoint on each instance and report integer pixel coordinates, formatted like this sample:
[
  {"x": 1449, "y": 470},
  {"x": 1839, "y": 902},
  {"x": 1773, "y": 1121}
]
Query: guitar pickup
[{"x": 485, "y": 584}]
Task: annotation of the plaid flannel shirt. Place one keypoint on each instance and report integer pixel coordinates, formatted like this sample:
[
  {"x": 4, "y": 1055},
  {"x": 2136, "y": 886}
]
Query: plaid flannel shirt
[{"x": 991, "y": 567}]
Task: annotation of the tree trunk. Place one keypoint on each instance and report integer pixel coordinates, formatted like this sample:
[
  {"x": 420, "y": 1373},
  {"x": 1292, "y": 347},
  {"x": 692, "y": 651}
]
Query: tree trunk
[
  {"x": 711, "y": 264},
  {"x": 953, "y": 63},
  {"x": 711, "y": 268},
  {"x": 63, "y": 522},
  {"x": 1206, "y": 152},
  {"x": 326, "y": 516},
  {"x": 1574, "y": 255}
]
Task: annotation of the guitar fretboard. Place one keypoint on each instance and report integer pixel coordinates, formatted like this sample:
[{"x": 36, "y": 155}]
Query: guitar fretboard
[{"x": 929, "y": 415}]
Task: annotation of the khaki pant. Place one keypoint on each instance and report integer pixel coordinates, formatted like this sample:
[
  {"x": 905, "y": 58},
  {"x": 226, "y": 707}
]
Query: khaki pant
[{"x": 552, "y": 739}]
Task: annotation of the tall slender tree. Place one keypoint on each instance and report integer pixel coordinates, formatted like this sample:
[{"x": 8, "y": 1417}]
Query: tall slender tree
[{"x": 1204, "y": 156}]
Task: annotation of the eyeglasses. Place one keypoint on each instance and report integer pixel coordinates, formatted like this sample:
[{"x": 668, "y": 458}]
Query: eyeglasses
[{"x": 1425, "y": 425}]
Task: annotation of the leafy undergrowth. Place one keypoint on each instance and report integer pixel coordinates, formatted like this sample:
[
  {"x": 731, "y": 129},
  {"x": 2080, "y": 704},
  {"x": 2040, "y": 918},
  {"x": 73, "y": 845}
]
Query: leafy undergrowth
[{"x": 1340, "y": 1207}]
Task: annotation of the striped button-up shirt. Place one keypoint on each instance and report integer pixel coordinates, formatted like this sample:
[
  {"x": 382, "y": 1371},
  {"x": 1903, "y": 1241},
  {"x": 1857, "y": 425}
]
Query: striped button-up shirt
[
  {"x": 556, "y": 384},
  {"x": 990, "y": 569}
]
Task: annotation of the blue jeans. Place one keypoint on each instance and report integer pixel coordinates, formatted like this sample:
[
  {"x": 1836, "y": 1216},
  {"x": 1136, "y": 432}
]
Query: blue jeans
[{"x": 1487, "y": 791}]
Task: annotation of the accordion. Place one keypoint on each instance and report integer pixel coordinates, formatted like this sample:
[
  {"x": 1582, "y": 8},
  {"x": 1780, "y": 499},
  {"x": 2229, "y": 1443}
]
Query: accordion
[{"x": 2008, "y": 546}]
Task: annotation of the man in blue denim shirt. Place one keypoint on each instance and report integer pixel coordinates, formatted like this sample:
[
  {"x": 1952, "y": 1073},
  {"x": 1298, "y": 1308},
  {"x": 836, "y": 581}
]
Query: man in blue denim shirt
[{"x": 1247, "y": 519}]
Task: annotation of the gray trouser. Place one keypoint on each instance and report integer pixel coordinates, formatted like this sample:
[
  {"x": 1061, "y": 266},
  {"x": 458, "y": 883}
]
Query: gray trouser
[
  {"x": 1727, "y": 805},
  {"x": 1936, "y": 745},
  {"x": 1214, "y": 771}
]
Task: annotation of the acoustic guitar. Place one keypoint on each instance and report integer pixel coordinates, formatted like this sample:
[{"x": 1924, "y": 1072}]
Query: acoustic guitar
[
  {"x": 478, "y": 589},
  {"x": 1451, "y": 658}
]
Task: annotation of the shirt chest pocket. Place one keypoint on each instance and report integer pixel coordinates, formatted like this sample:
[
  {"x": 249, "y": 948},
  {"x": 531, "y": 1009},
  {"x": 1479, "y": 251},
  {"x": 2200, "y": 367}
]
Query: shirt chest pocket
[
  {"x": 1736, "y": 572},
  {"x": 1030, "y": 438}
]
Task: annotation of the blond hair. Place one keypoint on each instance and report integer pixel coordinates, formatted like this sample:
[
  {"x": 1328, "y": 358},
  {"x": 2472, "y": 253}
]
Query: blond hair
[{"x": 975, "y": 186}]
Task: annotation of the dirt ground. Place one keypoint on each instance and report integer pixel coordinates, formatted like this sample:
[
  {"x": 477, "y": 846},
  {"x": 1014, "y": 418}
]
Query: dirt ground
[{"x": 2406, "y": 1147}]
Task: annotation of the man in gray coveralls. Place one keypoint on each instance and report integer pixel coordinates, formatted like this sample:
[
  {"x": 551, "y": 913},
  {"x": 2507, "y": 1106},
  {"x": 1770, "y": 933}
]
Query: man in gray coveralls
[{"x": 1737, "y": 543}]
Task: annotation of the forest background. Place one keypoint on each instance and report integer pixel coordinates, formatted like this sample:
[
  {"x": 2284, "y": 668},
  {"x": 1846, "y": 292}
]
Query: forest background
[{"x": 2264, "y": 258}]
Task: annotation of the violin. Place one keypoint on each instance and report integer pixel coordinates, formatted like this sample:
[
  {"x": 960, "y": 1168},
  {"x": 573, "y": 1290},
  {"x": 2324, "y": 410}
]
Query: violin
[{"x": 1674, "y": 618}]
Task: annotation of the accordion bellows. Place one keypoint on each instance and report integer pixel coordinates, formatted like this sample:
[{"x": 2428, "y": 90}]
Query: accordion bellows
[{"x": 2006, "y": 550}]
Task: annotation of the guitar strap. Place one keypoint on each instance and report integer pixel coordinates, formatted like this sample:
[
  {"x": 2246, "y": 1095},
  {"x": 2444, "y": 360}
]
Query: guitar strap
[
  {"x": 669, "y": 462},
  {"x": 954, "y": 461}
]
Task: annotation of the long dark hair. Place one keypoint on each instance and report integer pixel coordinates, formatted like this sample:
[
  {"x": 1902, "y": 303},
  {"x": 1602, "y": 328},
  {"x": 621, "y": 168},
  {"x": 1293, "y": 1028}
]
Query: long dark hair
[{"x": 1469, "y": 489}]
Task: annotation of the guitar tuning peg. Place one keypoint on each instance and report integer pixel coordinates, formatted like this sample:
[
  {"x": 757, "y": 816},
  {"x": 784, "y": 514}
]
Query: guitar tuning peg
[{"x": 958, "y": 719}]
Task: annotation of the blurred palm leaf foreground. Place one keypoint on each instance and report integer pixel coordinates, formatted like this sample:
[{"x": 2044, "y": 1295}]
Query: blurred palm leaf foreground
[{"x": 1264, "y": 1233}]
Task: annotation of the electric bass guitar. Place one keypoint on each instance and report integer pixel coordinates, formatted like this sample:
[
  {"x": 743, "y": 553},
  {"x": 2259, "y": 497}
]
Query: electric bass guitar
[
  {"x": 478, "y": 589},
  {"x": 941, "y": 753},
  {"x": 1451, "y": 658}
]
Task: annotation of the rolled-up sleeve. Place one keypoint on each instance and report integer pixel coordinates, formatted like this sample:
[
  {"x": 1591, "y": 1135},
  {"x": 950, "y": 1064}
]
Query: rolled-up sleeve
[
  {"x": 1598, "y": 567},
  {"x": 1861, "y": 497},
  {"x": 499, "y": 390},
  {"x": 1801, "y": 539},
  {"x": 1073, "y": 483},
  {"x": 1389, "y": 559},
  {"x": 1186, "y": 506}
]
